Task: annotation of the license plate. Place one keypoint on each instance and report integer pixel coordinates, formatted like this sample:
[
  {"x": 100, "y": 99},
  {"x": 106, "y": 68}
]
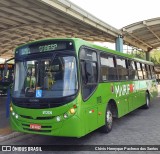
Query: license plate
[{"x": 35, "y": 126}]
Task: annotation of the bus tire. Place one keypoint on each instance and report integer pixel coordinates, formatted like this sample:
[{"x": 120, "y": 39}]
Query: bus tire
[
  {"x": 108, "y": 120},
  {"x": 147, "y": 105}
]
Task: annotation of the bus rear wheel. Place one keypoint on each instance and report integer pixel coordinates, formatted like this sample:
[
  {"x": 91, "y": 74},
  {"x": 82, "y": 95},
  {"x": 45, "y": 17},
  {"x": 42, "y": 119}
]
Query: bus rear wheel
[
  {"x": 147, "y": 105},
  {"x": 108, "y": 121}
]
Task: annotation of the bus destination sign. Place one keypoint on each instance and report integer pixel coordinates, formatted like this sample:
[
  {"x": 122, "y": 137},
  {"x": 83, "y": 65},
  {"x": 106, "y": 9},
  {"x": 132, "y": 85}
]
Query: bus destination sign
[{"x": 46, "y": 46}]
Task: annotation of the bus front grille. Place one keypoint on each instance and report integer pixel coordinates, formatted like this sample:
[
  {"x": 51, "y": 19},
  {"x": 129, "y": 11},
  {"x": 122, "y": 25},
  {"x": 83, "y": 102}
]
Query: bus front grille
[
  {"x": 45, "y": 129},
  {"x": 41, "y": 126}
]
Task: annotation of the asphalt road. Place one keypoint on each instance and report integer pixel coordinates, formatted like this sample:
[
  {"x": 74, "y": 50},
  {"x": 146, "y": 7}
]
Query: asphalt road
[{"x": 140, "y": 127}]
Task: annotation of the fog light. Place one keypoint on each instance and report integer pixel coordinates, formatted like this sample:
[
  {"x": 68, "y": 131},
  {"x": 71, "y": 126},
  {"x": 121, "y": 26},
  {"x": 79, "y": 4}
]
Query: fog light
[
  {"x": 16, "y": 116},
  {"x": 65, "y": 115},
  {"x": 58, "y": 118},
  {"x": 13, "y": 113},
  {"x": 11, "y": 109},
  {"x": 72, "y": 110}
]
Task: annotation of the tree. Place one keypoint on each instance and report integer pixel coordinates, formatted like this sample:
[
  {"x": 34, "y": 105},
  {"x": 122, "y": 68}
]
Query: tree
[
  {"x": 155, "y": 57},
  {"x": 139, "y": 54}
]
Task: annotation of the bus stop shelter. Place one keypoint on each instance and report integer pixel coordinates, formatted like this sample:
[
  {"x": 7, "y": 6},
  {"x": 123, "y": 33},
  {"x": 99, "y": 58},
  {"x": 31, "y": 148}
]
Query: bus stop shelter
[
  {"x": 27, "y": 20},
  {"x": 146, "y": 33}
]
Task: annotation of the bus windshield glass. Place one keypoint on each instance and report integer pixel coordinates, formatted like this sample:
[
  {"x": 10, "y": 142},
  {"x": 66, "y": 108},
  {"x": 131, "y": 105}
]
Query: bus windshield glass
[{"x": 46, "y": 78}]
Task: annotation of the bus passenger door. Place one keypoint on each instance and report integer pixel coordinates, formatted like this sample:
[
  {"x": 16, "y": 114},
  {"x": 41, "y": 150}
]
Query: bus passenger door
[
  {"x": 133, "y": 85},
  {"x": 133, "y": 96},
  {"x": 121, "y": 93},
  {"x": 89, "y": 76},
  {"x": 89, "y": 94}
]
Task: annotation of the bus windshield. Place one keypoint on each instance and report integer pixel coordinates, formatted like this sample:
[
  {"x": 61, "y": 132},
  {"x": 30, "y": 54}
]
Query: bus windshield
[{"x": 46, "y": 78}]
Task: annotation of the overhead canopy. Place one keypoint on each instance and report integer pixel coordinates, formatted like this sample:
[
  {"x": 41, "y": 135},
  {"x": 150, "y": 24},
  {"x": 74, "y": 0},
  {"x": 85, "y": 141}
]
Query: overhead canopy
[
  {"x": 22, "y": 21},
  {"x": 144, "y": 34}
]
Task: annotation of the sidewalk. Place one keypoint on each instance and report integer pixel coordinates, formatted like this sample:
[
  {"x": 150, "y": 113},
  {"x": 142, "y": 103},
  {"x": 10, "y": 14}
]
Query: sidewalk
[{"x": 5, "y": 130}]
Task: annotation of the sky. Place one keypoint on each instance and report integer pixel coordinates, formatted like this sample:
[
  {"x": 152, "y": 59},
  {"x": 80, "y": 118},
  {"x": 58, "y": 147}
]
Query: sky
[{"x": 120, "y": 13}]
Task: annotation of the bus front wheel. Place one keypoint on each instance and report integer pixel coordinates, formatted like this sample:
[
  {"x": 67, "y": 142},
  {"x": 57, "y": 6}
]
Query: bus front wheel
[{"x": 108, "y": 120}]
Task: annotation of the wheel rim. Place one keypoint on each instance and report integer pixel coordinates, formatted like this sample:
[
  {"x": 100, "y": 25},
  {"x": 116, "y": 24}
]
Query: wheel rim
[
  {"x": 147, "y": 101},
  {"x": 109, "y": 119}
]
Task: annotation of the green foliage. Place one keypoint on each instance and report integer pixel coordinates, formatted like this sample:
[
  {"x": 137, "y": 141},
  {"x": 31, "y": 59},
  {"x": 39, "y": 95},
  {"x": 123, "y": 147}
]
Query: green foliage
[
  {"x": 139, "y": 54},
  {"x": 155, "y": 56}
]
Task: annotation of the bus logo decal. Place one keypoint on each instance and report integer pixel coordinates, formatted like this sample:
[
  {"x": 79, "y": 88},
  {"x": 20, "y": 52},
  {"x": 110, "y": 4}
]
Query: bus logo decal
[{"x": 121, "y": 90}]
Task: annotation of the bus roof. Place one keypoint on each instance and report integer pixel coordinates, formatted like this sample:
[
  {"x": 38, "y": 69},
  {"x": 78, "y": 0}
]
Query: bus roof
[{"x": 114, "y": 52}]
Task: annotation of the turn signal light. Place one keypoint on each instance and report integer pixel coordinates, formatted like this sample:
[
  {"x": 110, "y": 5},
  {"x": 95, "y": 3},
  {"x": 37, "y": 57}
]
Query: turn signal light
[
  {"x": 11, "y": 109},
  {"x": 74, "y": 106},
  {"x": 72, "y": 110}
]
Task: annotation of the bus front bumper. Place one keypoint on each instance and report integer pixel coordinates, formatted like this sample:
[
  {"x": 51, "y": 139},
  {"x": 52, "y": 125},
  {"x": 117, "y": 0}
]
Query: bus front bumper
[{"x": 70, "y": 127}]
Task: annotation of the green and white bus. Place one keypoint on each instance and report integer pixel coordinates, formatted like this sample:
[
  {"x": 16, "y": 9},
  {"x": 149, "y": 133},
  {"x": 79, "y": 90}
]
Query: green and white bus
[{"x": 70, "y": 87}]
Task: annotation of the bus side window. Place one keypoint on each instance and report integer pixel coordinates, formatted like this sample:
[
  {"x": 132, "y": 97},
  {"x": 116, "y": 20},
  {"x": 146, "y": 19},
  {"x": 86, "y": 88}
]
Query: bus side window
[
  {"x": 135, "y": 67},
  {"x": 139, "y": 70},
  {"x": 148, "y": 72},
  {"x": 122, "y": 68},
  {"x": 89, "y": 71},
  {"x": 108, "y": 69},
  {"x": 149, "y": 66},
  {"x": 152, "y": 72},
  {"x": 144, "y": 71},
  {"x": 132, "y": 70}
]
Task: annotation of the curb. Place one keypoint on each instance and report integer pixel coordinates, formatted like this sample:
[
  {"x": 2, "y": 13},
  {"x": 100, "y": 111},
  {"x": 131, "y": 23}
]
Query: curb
[{"x": 10, "y": 136}]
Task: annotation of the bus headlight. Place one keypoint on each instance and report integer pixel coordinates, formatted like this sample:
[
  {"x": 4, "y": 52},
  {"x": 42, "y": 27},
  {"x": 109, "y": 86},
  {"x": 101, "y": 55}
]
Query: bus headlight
[
  {"x": 65, "y": 115},
  {"x": 16, "y": 116},
  {"x": 58, "y": 118},
  {"x": 13, "y": 113}
]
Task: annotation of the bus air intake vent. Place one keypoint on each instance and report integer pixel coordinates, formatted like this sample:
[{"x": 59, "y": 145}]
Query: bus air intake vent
[
  {"x": 45, "y": 118},
  {"x": 38, "y": 118},
  {"x": 26, "y": 117},
  {"x": 31, "y": 130}
]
